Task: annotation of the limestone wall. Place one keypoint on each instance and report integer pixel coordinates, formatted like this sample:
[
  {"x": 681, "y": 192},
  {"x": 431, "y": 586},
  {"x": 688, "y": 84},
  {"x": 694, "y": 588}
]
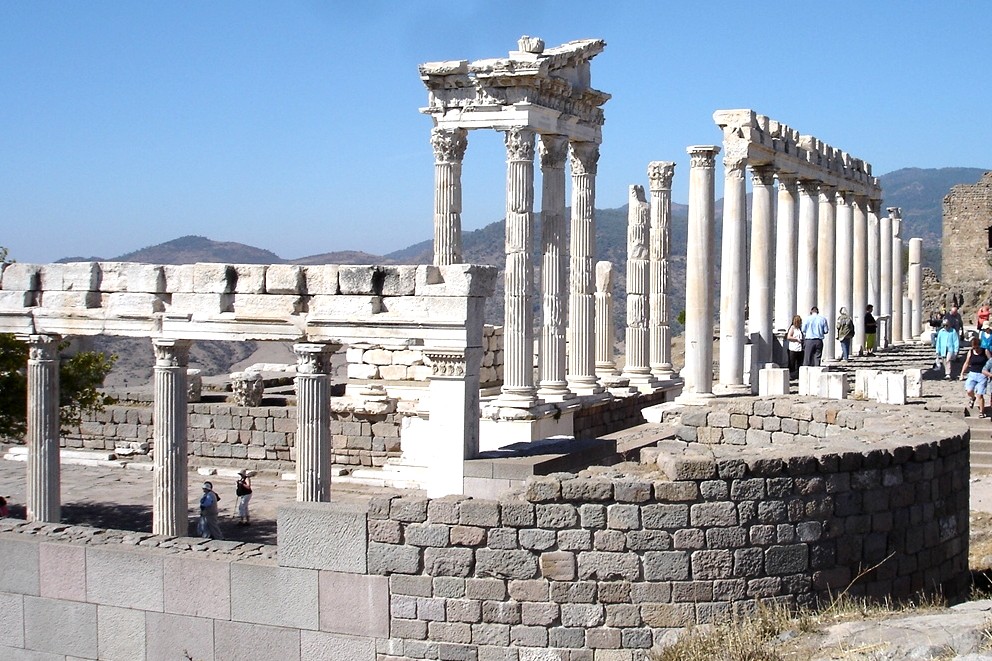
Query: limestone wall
[
  {"x": 611, "y": 559},
  {"x": 967, "y": 218}
]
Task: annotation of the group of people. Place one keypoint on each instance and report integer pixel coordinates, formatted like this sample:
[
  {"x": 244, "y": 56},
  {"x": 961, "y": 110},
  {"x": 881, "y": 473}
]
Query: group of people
[
  {"x": 805, "y": 337},
  {"x": 208, "y": 525},
  {"x": 976, "y": 370}
]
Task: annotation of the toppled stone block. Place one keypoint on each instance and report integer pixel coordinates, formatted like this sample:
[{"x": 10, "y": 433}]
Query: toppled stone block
[
  {"x": 773, "y": 381},
  {"x": 248, "y": 388}
]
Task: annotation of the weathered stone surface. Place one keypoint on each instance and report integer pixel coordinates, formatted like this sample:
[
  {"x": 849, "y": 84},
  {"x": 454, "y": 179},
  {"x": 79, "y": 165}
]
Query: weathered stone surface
[
  {"x": 505, "y": 564},
  {"x": 448, "y": 562}
]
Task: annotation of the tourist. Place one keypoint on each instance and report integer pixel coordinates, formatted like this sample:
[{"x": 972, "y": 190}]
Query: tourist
[
  {"x": 243, "y": 491},
  {"x": 987, "y": 373},
  {"x": 208, "y": 526},
  {"x": 814, "y": 332},
  {"x": 795, "y": 346},
  {"x": 947, "y": 347},
  {"x": 982, "y": 316},
  {"x": 871, "y": 328},
  {"x": 985, "y": 337},
  {"x": 975, "y": 382},
  {"x": 954, "y": 317},
  {"x": 845, "y": 333},
  {"x": 4, "y": 510}
]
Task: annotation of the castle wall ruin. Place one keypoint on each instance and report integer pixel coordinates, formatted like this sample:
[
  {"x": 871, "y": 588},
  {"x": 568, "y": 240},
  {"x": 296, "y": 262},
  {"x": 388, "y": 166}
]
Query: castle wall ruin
[{"x": 966, "y": 247}]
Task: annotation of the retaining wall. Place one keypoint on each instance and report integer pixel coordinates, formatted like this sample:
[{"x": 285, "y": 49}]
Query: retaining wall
[{"x": 601, "y": 565}]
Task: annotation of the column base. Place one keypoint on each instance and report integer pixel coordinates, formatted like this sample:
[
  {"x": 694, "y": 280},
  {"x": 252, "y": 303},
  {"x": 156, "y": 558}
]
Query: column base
[
  {"x": 694, "y": 398},
  {"x": 730, "y": 390},
  {"x": 554, "y": 391},
  {"x": 584, "y": 385},
  {"x": 518, "y": 398}
]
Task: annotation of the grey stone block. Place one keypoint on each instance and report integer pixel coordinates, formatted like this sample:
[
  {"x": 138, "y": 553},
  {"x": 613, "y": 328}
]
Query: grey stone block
[
  {"x": 12, "y": 620},
  {"x": 330, "y": 536},
  {"x": 505, "y": 564},
  {"x": 485, "y": 588},
  {"x": 279, "y": 596},
  {"x": 587, "y": 489},
  {"x": 482, "y": 513},
  {"x": 129, "y": 579},
  {"x": 169, "y": 637},
  {"x": 665, "y": 516},
  {"x": 609, "y": 566},
  {"x": 537, "y": 539},
  {"x": 319, "y": 645},
  {"x": 666, "y": 566},
  {"x": 387, "y": 559},
  {"x": 786, "y": 559},
  {"x": 19, "y": 571},
  {"x": 120, "y": 633},
  {"x": 238, "y": 640},
  {"x": 557, "y": 516},
  {"x": 60, "y": 627},
  {"x": 354, "y": 604},
  {"x": 448, "y": 562},
  {"x": 427, "y": 535},
  {"x": 59, "y": 571},
  {"x": 197, "y": 586}
]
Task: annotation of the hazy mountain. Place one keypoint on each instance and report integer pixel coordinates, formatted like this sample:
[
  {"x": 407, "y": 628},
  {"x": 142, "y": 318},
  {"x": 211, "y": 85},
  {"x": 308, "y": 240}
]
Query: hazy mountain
[{"x": 921, "y": 193}]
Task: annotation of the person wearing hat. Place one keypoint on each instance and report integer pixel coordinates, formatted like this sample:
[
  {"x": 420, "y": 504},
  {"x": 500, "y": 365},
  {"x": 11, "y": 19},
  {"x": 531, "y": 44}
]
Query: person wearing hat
[
  {"x": 985, "y": 337},
  {"x": 948, "y": 344},
  {"x": 243, "y": 491},
  {"x": 208, "y": 526}
]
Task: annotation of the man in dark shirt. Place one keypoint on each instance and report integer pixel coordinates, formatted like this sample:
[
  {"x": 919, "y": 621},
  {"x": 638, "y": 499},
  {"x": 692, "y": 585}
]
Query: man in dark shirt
[{"x": 871, "y": 329}]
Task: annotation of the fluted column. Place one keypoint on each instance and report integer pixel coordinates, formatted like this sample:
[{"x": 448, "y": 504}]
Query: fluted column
[
  {"x": 313, "y": 428},
  {"x": 449, "y": 150},
  {"x": 860, "y": 273},
  {"x": 660, "y": 175},
  {"x": 581, "y": 309},
  {"x": 785, "y": 253},
  {"x": 698, "y": 371},
  {"x": 733, "y": 273},
  {"x": 806, "y": 265},
  {"x": 518, "y": 329},
  {"x": 44, "y": 470},
  {"x": 605, "y": 364},
  {"x": 907, "y": 320},
  {"x": 454, "y": 395},
  {"x": 885, "y": 276},
  {"x": 170, "y": 418},
  {"x": 553, "y": 150},
  {"x": 761, "y": 280},
  {"x": 845, "y": 257},
  {"x": 637, "y": 337},
  {"x": 826, "y": 292},
  {"x": 915, "y": 288},
  {"x": 895, "y": 213},
  {"x": 874, "y": 257}
]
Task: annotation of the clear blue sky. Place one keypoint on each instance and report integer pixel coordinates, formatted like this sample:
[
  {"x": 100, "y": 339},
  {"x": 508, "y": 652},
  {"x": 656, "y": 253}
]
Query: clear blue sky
[{"x": 295, "y": 126}]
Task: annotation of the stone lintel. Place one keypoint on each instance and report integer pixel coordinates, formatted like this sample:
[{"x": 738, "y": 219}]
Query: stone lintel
[{"x": 539, "y": 118}]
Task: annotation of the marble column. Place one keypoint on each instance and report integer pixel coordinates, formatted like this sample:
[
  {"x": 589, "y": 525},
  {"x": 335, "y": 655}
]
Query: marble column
[
  {"x": 606, "y": 366},
  {"x": 637, "y": 338},
  {"x": 895, "y": 213},
  {"x": 660, "y": 175},
  {"x": 698, "y": 371},
  {"x": 874, "y": 257},
  {"x": 845, "y": 258},
  {"x": 859, "y": 273},
  {"x": 553, "y": 150},
  {"x": 454, "y": 418},
  {"x": 170, "y": 507},
  {"x": 915, "y": 286},
  {"x": 785, "y": 254},
  {"x": 826, "y": 290},
  {"x": 313, "y": 430},
  {"x": 885, "y": 275},
  {"x": 806, "y": 270},
  {"x": 449, "y": 150},
  {"x": 43, "y": 491},
  {"x": 733, "y": 273},
  {"x": 581, "y": 306},
  {"x": 518, "y": 327},
  {"x": 907, "y": 320},
  {"x": 760, "y": 282}
]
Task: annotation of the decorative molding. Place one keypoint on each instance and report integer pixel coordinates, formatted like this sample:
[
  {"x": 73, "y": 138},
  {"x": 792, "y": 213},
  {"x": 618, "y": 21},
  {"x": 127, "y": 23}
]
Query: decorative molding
[
  {"x": 449, "y": 144},
  {"x": 519, "y": 144},
  {"x": 446, "y": 363},
  {"x": 660, "y": 174}
]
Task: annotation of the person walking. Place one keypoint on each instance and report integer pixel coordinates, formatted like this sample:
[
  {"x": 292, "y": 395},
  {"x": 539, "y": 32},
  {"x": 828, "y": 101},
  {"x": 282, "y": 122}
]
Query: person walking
[
  {"x": 947, "y": 346},
  {"x": 975, "y": 381},
  {"x": 871, "y": 329},
  {"x": 208, "y": 526},
  {"x": 243, "y": 491},
  {"x": 794, "y": 340},
  {"x": 845, "y": 333},
  {"x": 954, "y": 317},
  {"x": 982, "y": 316},
  {"x": 814, "y": 330}
]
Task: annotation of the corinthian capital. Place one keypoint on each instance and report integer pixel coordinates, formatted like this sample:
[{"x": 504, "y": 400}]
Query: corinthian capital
[
  {"x": 43, "y": 347},
  {"x": 449, "y": 144},
  {"x": 660, "y": 174},
  {"x": 170, "y": 352},
  {"x": 735, "y": 156},
  {"x": 553, "y": 150},
  {"x": 584, "y": 157},
  {"x": 809, "y": 187},
  {"x": 703, "y": 156},
  {"x": 519, "y": 144},
  {"x": 763, "y": 175},
  {"x": 313, "y": 357}
]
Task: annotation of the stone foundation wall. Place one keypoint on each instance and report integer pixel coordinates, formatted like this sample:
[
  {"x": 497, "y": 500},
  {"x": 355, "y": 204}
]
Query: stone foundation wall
[
  {"x": 616, "y": 414},
  {"x": 610, "y": 559}
]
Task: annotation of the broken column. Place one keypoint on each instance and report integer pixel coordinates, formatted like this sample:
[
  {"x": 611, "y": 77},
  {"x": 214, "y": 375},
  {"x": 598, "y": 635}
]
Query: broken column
[
  {"x": 605, "y": 364},
  {"x": 637, "y": 339},
  {"x": 916, "y": 286},
  {"x": 660, "y": 175},
  {"x": 454, "y": 417}
]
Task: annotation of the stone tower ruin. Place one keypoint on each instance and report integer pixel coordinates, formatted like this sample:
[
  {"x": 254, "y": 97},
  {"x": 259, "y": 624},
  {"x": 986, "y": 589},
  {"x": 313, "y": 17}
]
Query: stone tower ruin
[{"x": 966, "y": 252}]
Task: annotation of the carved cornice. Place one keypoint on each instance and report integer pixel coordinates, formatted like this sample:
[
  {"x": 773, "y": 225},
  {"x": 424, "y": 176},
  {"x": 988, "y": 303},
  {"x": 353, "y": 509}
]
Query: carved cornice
[
  {"x": 449, "y": 144},
  {"x": 43, "y": 348},
  {"x": 553, "y": 150},
  {"x": 519, "y": 144},
  {"x": 660, "y": 174},
  {"x": 584, "y": 158},
  {"x": 313, "y": 357},
  {"x": 171, "y": 352},
  {"x": 446, "y": 363}
]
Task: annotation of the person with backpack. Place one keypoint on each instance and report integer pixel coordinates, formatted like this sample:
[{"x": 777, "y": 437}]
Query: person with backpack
[{"x": 243, "y": 492}]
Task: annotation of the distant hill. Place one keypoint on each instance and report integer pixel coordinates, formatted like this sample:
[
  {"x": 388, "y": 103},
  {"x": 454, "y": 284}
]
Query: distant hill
[
  {"x": 920, "y": 192},
  {"x": 342, "y": 257}
]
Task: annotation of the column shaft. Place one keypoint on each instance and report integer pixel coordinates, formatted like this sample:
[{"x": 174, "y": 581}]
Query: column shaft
[
  {"x": 44, "y": 469},
  {"x": 313, "y": 430},
  {"x": 605, "y": 334},
  {"x": 885, "y": 275},
  {"x": 760, "y": 282},
  {"x": 807, "y": 273},
  {"x": 637, "y": 336},
  {"x": 915, "y": 288},
  {"x": 897, "y": 276},
  {"x": 518, "y": 328},
  {"x": 845, "y": 251},
  {"x": 860, "y": 273},
  {"x": 785, "y": 253},
  {"x": 874, "y": 258},
  {"x": 660, "y": 175},
  {"x": 553, "y": 151},
  {"x": 449, "y": 150},
  {"x": 581, "y": 307},
  {"x": 826, "y": 265},
  {"x": 733, "y": 274},
  {"x": 698, "y": 372},
  {"x": 170, "y": 508}
]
